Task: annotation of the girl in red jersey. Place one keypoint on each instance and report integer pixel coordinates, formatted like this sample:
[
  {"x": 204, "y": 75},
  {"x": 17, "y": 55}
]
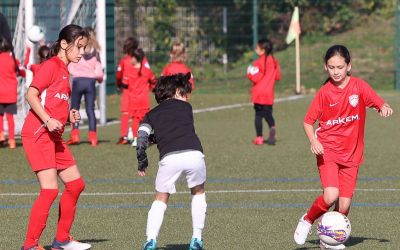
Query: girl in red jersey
[
  {"x": 125, "y": 68},
  {"x": 9, "y": 70},
  {"x": 263, "y": 73},
  {"x": 177, "y": 63},
  {"x": 47, "y": 153},
  {"x": 338, "y": 142},
  {"x": 139, "y": 86},
  {"x": 124, "y": 73}
]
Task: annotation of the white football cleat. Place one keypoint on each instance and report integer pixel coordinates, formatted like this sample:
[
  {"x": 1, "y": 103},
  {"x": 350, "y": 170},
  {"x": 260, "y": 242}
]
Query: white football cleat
[
  {"x": 303, "y": 229},
  {"x": 70, "y": 244},
  {"x": 323, "y": 245}
]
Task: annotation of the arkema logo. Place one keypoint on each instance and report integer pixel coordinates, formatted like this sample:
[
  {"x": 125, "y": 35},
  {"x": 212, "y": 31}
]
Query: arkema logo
[
  {"x": 62, "y": 96},
  {"x": 343, "y": 120}
]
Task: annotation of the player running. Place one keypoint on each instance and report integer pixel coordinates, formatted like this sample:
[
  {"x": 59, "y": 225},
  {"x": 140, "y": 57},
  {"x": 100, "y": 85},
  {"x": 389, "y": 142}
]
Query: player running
[
  {"x": 180, "y": 153},
  {"x": 338, "y": 142}
]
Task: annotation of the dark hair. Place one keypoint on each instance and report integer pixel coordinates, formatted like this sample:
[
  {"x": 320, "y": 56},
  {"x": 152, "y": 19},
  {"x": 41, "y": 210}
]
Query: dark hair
[
  {"x": 266, "y": 45},
  {"x": 337, "y": 50},
  {"x": 130, "y": 44},
  {"x": 69, "y": 33},
  {"x": 166, "y": 86},
  {"x": 5, "y": 46},
  {"x": 138, "y": 54},
  {"x": 44, "y": 53}
]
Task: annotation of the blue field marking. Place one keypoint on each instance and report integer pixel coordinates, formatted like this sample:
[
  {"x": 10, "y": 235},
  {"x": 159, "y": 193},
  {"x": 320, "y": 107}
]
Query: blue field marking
[
  {"x": 209, "y": 180},
  {"x": 209, "y": 205}
]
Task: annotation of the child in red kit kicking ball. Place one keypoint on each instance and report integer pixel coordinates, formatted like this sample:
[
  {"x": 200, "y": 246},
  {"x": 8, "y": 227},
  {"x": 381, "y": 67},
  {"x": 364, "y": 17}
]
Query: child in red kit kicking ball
[
  {"x": 338, "y": 142},
  {"x": 47, "y": 153}
]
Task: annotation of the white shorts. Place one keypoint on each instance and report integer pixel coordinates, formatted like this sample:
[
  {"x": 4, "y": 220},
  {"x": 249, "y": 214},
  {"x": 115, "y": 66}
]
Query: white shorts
[{"x": 189, "y": 163}]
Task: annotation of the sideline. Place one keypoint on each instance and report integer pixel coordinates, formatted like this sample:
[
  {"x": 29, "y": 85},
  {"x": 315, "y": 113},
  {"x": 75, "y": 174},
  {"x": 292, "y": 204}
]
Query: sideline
[{"x": 211, "y": 109}]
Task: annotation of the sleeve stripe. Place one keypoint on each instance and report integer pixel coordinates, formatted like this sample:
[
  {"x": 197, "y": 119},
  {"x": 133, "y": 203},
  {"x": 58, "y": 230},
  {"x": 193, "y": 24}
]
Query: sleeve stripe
[{"x": 145, "y": 127}]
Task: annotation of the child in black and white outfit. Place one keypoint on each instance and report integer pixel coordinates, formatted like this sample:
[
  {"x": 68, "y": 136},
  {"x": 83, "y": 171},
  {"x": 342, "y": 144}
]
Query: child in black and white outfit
[{"x": 180, "y": 153}]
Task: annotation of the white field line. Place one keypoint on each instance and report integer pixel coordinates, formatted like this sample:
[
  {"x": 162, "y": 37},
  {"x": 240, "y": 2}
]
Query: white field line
[
  {"x": 215, "y": 192},
  {"x": 211, "y": 109}
]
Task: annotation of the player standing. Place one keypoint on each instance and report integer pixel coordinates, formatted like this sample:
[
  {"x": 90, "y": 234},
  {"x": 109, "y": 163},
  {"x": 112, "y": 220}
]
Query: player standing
[
  {"x": 9, "y": 69},
  {"x": 177, "y": 64},
  {"x": 338, "y": 142},
  {"x": 47, "y": 153},
  {"x": 263, "y": 73},
  {"x": 124, "y": 73},
  {"x": 139, "y": 86},
  {"x": 180, "y": 153},
  {"x": 85, "y": 74}
]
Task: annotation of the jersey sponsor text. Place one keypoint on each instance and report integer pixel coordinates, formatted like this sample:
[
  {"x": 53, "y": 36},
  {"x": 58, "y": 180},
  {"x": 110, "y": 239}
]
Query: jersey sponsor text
[{"x": 343, "y": 120}]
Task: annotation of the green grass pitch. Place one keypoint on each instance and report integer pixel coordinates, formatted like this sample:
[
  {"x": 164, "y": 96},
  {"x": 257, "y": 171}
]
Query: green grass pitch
[{"x": 256, "y": 194}]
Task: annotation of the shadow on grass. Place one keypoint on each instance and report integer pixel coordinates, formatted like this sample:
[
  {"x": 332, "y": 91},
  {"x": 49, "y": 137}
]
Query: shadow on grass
[
  {"x": 353, "y": 241},
  {"x": 83, "y": 240},
  {"x": 174, "y": 247}
]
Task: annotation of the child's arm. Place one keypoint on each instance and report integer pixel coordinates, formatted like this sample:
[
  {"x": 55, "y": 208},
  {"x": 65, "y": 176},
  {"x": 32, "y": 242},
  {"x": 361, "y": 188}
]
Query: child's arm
[
  {"x": 316, "y": 146},
  {"x": 32, "y": 96},
  {"x": 142, "y": 144}
]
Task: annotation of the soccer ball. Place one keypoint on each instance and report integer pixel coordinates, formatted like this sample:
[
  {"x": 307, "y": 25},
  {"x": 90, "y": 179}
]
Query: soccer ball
[
  {"x": 35, "y": 34},
  {"x": 334, "y": 228}
]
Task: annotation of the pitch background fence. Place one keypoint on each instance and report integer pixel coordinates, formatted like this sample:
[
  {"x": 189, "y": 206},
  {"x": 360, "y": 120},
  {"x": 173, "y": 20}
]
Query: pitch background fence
[{"x": 219, "y": 34}]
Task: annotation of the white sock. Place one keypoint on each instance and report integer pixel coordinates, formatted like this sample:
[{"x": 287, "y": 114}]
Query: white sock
[
  {"x": 155, "y": 219},
  {"x": 199, "y": 208}
]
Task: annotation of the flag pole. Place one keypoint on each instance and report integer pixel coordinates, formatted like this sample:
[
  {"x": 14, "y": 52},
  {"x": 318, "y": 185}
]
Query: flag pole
[{"x": 297, "y": 64}]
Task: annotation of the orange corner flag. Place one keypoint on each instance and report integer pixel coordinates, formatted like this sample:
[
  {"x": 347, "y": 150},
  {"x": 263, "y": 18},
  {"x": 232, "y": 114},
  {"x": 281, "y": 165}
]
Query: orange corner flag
[{"x": 294, "y": 29}]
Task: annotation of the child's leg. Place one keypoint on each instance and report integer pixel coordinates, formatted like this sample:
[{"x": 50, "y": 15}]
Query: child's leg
[
  {"x": 41, "y": 207},
  {"x": 156, "y": 215},
  {"x": 124, "y": 124},
  {"x": 271, "y": 123},
  {"x": 11, "y": 126},
  {"x": 90, "y": 98},
  {"x": 199, "y": 208},
  {"x": 2, "y": 136},
  {"x": 347, "y": 184},
  {"x": 74, "y": 185},
  {"x": 258, "y": 120}
]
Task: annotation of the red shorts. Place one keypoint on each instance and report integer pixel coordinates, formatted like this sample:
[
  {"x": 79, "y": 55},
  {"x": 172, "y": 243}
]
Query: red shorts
[
  {"x": 44, "y": 153},
  {"x": 336, "y": 175},
  {"x": 125, "y": 100}
]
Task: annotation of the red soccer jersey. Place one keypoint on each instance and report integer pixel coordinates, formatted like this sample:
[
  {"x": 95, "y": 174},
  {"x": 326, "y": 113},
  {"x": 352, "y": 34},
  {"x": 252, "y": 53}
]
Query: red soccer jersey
[
  {"x": 8, "y": 78},
  {"x": 177, "y": 67},
  {"x": 263, "y": 73},
  {"x": 341, "y": 115},
  {"x": 125, "y": 70},
  {"x": 139, "y": 87},
  {"x": 52, "y": 82}
]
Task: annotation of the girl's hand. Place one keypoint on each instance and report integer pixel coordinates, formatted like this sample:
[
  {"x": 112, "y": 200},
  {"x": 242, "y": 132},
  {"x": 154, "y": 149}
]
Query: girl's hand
[
  {"x": 385, "y": 110},
  {"x": 316, "y": 147},
  {"x": 141, "y": 173},
  {"x": 53, "y": 125},
  {"x": 74, "y": 116}
]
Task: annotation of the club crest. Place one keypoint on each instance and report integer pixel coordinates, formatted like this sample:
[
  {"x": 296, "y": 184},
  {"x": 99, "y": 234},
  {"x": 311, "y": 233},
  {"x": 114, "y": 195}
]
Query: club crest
[{"x": 353, "y": 100}]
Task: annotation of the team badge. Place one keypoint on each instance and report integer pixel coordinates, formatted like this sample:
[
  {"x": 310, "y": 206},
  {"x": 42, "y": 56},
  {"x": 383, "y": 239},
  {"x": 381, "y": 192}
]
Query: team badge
[{"x": 353, "y": 100}]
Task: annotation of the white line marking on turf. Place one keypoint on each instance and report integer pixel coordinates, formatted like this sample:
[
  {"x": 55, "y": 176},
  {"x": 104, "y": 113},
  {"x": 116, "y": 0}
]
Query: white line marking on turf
[
  {"x": 211, "y": 109},
  {"x": 215, "y": 192}
]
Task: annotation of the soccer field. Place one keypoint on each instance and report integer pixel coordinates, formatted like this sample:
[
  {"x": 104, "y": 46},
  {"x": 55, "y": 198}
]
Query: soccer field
[{"x": 255, "y": 194}]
